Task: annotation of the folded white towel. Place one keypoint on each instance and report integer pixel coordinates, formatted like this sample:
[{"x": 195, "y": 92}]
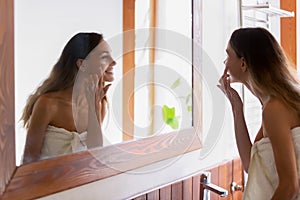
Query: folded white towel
[
  {"x": 263, "y": 178},
  {"x": 59, "y": 141}
]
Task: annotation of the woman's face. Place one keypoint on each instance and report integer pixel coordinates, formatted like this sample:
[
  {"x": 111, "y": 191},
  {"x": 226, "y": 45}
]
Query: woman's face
[
  {"x": 99, "y": 61},
  {"x": 234, "y": 65}
]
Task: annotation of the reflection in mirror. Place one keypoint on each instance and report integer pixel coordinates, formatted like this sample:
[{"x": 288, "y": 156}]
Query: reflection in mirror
[
  {"x": 160, "y": 106},
  {"x": 65, "y": 113},
  {"x": 41, "y": 31}
]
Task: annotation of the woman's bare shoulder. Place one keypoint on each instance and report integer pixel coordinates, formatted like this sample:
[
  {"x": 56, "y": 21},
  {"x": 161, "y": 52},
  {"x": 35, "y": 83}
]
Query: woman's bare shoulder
[
  {"x": 47, "y": 98},
  {"x": 55, "y": 97},
  {"x": 46, "y": 102},
  {"x": 275, "y": 105},
  {"x": 276, "y": 111},
  {"x": 54, "y": 103}
]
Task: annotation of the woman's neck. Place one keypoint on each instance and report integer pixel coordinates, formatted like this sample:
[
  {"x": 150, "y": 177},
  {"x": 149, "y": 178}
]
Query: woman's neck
[{"x": 262, "y": 97}]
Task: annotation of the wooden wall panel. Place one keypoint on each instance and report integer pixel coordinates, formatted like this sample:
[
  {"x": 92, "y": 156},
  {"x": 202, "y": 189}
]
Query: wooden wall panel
[
  {"x": 165, "y": 193},
  {"x": 151, "y": 86},
  {"x": 238, "y": 177},
  {"x": 128, "y": 66},
  {"x": 196, "y": 187},
  {"x": 190, "y": 188},
  {"x": 288, "y": 36},
  {"x": 187, "y": 190},
  {"x": 153, "y": 195},
  {"x": 177, "y": 191},
  {"x": 215, "y": 180},
  {"x": 7, "y": 100},
  {"x": 225, "y": 177}
]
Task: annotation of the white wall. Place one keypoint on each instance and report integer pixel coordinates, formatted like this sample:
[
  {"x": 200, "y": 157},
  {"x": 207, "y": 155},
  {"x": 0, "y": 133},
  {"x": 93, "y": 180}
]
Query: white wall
[{"x": 42, "y": 28}]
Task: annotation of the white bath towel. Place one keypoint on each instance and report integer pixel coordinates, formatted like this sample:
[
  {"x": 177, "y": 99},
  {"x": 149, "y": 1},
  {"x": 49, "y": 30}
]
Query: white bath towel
[
  {"x": 59, "y": 141},
  {"x": 263, "y": 178}
]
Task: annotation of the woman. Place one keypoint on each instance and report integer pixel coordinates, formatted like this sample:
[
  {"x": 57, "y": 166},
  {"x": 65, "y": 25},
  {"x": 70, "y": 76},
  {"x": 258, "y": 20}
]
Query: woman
[
  {"x": 257, "y": 60},
  {"x": 64, "y": 113}
]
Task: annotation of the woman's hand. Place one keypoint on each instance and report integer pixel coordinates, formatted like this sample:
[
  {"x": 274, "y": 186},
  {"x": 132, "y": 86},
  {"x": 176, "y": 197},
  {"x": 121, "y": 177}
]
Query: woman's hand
[
  {"x": 96, "y": 92},
  {"x": 230, "y": 93}
]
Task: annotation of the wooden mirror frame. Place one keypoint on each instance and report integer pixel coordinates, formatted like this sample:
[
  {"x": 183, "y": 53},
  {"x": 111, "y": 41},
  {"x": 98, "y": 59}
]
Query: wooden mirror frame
[{"x": 46, "y": 177}]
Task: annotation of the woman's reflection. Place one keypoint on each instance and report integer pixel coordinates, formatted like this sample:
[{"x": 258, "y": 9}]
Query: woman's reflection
[{"x": 65, "y": 113}]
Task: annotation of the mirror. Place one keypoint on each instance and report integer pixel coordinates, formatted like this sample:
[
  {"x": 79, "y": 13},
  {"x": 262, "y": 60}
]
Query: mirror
[
  {"x": 73, "y": 170},
  {"x": 161, "y": 88}
]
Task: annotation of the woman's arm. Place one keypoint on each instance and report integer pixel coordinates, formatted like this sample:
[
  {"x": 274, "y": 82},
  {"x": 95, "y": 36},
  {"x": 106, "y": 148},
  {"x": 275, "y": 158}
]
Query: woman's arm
[
  {"x": 277, "y": 121},
  {"x": 242, "y": 136},
  {"x": 241, "y": 131},
  {"x": 96, "y": 111},
  {"x": 40, "y": 118},
  {"x": 94, "y": 136}
]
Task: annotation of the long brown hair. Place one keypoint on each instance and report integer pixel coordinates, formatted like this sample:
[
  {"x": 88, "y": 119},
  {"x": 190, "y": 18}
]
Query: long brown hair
[
  {"x": 64, "y": 72},
  {"x": 267, "y": 64}
]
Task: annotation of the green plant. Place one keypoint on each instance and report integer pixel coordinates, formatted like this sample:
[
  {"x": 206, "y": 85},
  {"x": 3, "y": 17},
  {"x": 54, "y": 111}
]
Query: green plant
[
  {"x": 169, "y": 113},
  {"x": 169, "y": 117}
]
